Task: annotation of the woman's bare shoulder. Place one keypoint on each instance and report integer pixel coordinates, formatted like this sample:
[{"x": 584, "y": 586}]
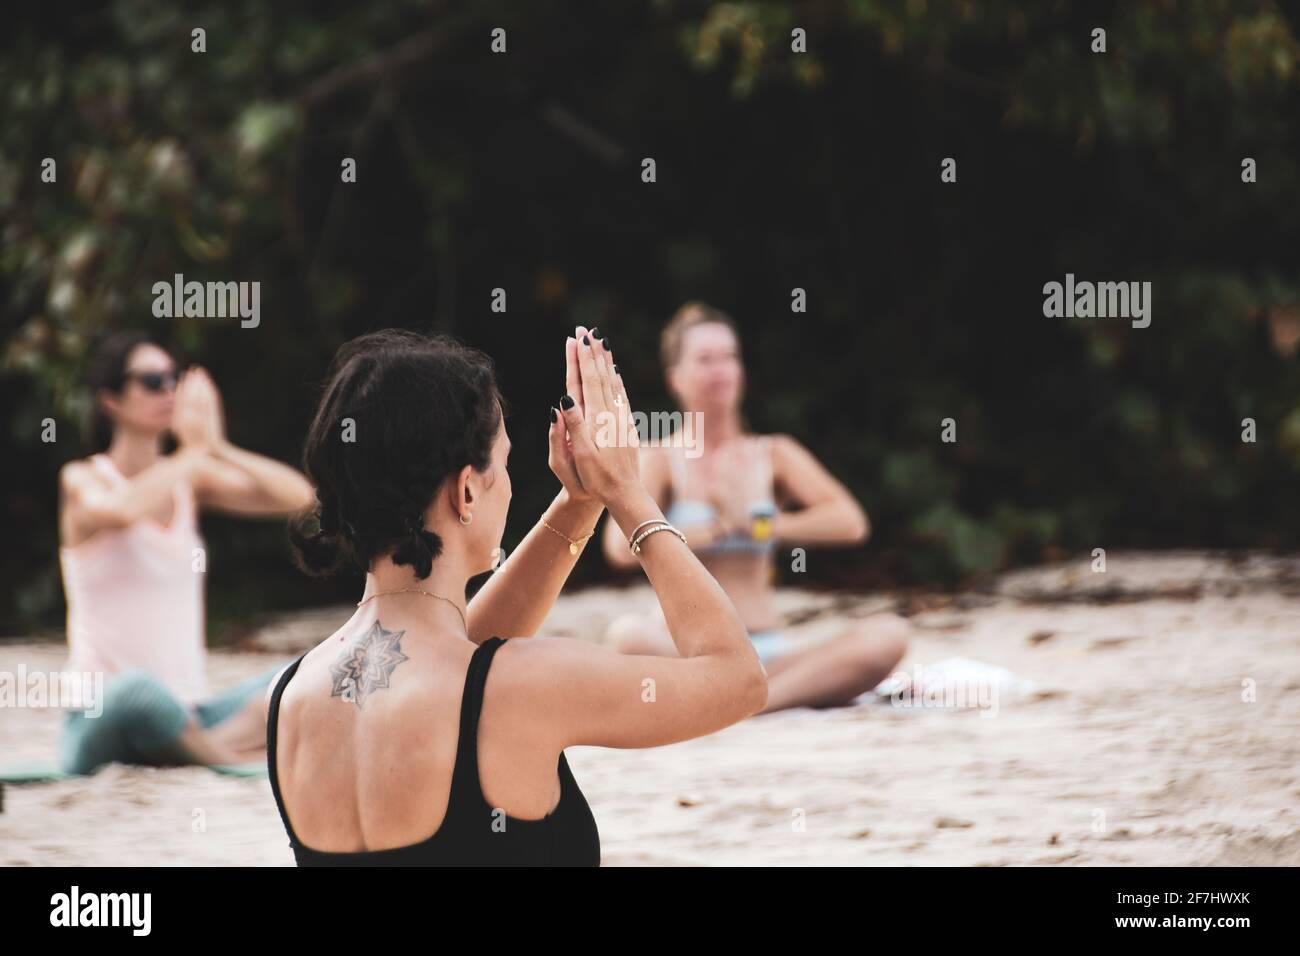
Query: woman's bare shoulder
[
  {"x": 77, "y": 472},
  {"x": 786, "y": 449}
]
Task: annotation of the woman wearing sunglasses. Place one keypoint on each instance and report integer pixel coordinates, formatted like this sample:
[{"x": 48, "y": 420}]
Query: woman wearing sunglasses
[{"x": 133, "y": 565}]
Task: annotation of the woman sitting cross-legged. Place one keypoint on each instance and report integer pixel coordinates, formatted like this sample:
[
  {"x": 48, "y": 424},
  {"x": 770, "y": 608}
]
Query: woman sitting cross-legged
[
  {"x": 428, "y": 732},
  {"x": 738, "y": 499},
  {"x": 133, "y": 564}
]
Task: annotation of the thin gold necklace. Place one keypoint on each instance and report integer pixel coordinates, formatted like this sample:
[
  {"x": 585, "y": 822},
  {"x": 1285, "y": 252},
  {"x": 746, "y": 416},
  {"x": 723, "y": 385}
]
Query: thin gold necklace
[{"x": 419, "y": 591}]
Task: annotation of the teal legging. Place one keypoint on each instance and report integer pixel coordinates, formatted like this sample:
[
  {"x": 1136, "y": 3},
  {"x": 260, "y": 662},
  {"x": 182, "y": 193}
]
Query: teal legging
[{"x": 141, "y": 721}]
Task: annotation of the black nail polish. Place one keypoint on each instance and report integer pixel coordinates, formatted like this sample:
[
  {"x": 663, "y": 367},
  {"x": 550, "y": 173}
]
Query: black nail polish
[
  {"x": 615, "y": 369},
  {"x": 566, "y": 403},
  {"x": 608, "y": 347},
  {"x": 595, "y": 332},
  {"x": 552, "y": 414},
  {"x": 585, "y": 340}
]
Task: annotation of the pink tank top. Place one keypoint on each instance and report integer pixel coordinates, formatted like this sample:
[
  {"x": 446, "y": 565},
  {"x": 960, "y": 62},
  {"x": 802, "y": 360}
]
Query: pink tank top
[{"x": 135, "y": 598}]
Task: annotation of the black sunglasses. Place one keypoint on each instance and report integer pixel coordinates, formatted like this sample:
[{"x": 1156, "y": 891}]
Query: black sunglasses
[{"x": 155, "y": 381}]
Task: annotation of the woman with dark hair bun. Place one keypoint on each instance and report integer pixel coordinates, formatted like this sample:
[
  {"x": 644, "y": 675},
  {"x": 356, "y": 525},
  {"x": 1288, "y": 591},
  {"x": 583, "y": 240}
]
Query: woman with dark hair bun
[
  {"x": 387, "y": 743},
  {"x": 133, "y": 569}
]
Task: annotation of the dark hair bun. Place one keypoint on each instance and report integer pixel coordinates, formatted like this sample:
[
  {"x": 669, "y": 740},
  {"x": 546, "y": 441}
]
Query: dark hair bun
[{"x": 401, "y": 411}]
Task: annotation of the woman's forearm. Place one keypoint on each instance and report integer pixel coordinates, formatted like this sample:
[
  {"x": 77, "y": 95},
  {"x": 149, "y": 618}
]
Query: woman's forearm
[
  {"x": 699, "y": 537},
  {"x": 156, "y": 484},
  {"x": 277, "y": 486},
  {"x": 701, "y": 618},
  {"x": 832, "y": 523},
  {"x": 614, "y": 545},
  {"x": 519, "y": 595}
]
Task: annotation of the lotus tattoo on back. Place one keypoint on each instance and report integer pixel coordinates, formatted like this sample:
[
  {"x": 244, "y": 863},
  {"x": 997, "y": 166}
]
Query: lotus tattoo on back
[{"x": 366, "y": 665}]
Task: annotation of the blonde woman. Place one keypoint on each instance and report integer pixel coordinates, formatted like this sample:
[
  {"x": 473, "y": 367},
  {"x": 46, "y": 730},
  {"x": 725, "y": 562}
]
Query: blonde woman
[{"x": 725, "y": 500}]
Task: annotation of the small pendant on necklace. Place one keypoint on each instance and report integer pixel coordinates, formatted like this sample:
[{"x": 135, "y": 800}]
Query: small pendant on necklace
[{"x": 573, "y": 548}]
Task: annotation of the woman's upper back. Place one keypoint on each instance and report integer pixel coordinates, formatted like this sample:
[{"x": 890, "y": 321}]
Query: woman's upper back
[{"x": 366, "y": 750}]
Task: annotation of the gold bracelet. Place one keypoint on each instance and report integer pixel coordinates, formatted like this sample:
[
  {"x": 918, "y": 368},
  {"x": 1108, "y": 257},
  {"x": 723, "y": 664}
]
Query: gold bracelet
[
  {"x": 636, "y": 545},
  {"x": 573, "y": 545}
]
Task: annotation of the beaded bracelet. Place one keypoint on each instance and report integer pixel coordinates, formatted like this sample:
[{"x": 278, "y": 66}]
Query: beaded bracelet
[
  {"x": 663, "y": 526},
  {"x": 642, "y": 525}
]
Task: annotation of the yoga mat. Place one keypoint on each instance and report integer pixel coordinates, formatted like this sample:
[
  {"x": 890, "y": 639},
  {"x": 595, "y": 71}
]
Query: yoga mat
[
  {"x": 36, "y": 771},
  {"x": 240, "y": 769},
  {"x": 31, "y": 771}
]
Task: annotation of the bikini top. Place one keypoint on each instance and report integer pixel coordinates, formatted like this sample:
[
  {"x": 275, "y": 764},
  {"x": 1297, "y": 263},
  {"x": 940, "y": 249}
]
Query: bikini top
[
  {"x": 685, "y": 512},
  {"x": 472, "y": 833}
]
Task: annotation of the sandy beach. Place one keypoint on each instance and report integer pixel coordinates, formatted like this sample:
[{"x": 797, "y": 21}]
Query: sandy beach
[{"x": 1155, "y": 720}]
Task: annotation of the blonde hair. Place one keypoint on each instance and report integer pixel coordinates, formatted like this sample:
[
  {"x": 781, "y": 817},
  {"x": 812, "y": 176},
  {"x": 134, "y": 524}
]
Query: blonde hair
[{"x": 691, "y": 314}]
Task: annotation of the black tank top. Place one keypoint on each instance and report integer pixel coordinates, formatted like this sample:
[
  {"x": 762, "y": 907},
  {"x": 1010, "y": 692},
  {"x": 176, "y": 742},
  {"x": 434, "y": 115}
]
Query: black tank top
[{"x": 472, "y": 832}]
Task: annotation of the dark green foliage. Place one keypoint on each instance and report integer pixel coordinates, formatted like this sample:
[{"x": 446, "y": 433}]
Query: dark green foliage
[{"x": 775, "y": 170}]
